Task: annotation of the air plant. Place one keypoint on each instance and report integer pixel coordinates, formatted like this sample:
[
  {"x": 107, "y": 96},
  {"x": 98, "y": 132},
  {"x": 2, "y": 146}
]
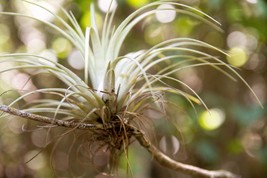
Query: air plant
[{"x": 116, "y": 90}]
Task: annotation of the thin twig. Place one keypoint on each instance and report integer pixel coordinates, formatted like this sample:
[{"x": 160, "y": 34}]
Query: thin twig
[
  {"x": 139, "y": 135},
  {"x": 49, "y": 120}
]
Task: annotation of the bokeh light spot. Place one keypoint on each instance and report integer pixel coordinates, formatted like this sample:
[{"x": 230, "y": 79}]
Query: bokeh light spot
[
  {"x": 236, "y": 38},
  {"x": 212, "y": 119},
  {"x": 137, "y": 3},
  {"x": 38, "y": 162},
  {"x": 50, "y": 55},
  {"x": 107, "y": 5},
  {"x": 153, "y": 34},
  {"x": 22, "y": 81},
  {"x": 40, "y": 13},
  {"x": 16, "y": 125},
  {"x": 169, "y": 144},
  {"x": 237, "y": 57},
  {"x": 165, "y": 13},
  {"x": 35, "y": 45},
  {"x": 39, "y": 138},
  {"x": 62, "y": 47},
  {"x": 252, "y": 1},
  {"x": 34, "y": 40},
  {"x": 252, "y": 142},
  {"x": 75, "y": 60}
]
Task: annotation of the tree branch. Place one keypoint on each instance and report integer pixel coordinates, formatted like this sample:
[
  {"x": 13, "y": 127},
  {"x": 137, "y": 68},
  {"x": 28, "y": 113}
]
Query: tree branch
[
  {"x": 48, "y": 120},
  {"x": 177, "y": 166},
  {"x": 139, "y": 135}
]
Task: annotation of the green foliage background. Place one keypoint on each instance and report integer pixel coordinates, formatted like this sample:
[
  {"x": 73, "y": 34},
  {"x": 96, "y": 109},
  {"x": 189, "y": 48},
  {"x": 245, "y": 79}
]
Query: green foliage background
[{"x": 238, "y": 145}]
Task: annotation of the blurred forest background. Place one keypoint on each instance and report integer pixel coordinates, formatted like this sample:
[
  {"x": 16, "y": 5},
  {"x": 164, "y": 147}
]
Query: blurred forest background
[{"x": 234, "y": 138}]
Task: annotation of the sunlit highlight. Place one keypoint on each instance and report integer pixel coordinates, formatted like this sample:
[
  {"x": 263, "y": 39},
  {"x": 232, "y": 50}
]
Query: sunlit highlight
[
  {"x": 165, "y": 13},
  {"x": 107, "y": 5},
  {"x": 252, "y": 1},
  {"x": 41, "y": 13},
  {"x": 237, "y": 57},
  {"x": 212, "y": 119}
]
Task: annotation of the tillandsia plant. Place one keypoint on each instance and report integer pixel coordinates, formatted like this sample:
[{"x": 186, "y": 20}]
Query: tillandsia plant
[{"x": 112, "y": 97}]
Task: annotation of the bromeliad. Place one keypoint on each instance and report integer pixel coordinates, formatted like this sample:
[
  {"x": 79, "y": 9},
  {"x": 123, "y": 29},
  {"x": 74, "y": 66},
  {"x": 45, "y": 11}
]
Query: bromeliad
[{"x": 116, "y": 90}]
